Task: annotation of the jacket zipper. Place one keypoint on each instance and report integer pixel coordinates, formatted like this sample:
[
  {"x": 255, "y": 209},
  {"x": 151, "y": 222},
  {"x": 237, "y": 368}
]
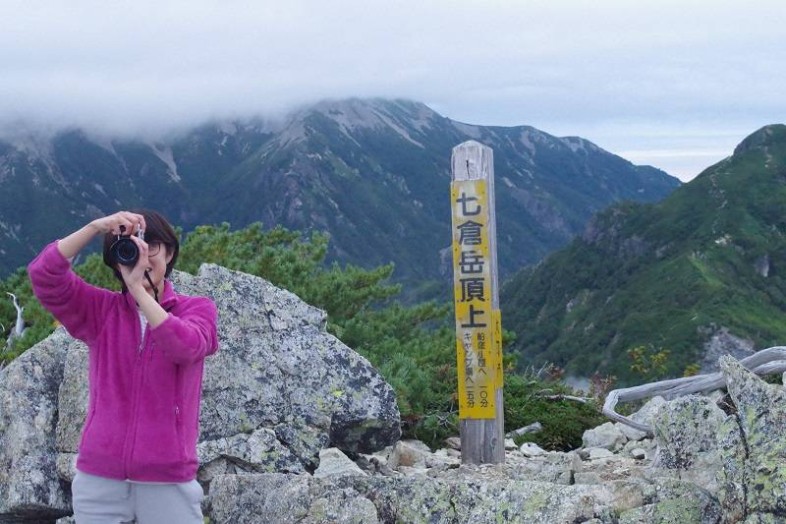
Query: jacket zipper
[
  {"x": 178, "y": 419},
  {"x": 137, "y": 388},
  {"x": 142, "y": 332}
]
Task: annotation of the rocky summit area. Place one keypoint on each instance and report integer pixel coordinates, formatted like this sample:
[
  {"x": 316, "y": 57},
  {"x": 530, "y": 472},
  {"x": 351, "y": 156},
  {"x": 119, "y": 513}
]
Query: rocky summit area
[{"x": 298, "y": 428}]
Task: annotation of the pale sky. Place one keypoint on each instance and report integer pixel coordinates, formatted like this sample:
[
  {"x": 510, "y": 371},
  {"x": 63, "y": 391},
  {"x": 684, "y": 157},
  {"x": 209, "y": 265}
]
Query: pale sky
[{"x": 674, "y": 84}]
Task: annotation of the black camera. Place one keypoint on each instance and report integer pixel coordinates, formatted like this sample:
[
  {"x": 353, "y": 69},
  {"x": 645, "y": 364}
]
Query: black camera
[{"x": 124, "y": 251}]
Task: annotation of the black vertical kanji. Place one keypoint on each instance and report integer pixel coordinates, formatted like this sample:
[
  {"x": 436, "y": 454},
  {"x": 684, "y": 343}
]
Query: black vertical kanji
[{"x": 464, "y": 200}]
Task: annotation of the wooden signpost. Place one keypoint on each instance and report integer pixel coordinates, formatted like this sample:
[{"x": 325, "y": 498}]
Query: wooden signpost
[{"x": 478, "y": 320}]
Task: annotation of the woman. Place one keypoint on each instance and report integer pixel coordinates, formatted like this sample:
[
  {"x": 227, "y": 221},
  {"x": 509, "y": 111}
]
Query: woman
[{"x": 147, "y": 345}]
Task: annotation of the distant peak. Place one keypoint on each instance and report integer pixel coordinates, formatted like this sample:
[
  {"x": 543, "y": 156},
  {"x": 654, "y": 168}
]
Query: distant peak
[
  {"x": 762, "y": 139},
  {"x": 576, "y": 143},
  {"x": 356, "y": 103},
  {"x": 372, "y": 112},
  {"x": 405, "y": 117}
]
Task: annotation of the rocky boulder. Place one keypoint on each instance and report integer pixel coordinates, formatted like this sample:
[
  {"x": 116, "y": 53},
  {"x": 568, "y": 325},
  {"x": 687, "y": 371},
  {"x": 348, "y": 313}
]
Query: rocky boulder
[
  {"x": 686, "y": 434},
  {"x": 280, "y": 390},
  {"x": 29, "y": 487},
  {"x": 752, "y": 444}
]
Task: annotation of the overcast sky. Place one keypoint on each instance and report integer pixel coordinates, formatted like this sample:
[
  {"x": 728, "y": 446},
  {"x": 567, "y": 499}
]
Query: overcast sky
[{"x": 674, "y": 84}]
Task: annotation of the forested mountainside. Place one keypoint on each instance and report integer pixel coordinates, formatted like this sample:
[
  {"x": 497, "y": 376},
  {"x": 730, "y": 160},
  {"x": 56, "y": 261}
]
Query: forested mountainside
[{"x": 647, "y": 287}]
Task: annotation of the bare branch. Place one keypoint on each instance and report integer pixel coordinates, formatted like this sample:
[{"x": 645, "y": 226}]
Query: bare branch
[
  {"x": 19, "y": 326},
  {"x": 764, "y": 362},
  {"x": 583, "y": 400}
]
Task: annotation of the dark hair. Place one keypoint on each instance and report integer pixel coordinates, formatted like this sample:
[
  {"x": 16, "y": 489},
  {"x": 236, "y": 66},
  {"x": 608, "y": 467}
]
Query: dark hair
[{"x": 158, "y": 230}]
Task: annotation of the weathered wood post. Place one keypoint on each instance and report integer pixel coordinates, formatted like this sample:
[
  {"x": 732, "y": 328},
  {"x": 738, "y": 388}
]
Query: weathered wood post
[{"x": 478, "y": 320}]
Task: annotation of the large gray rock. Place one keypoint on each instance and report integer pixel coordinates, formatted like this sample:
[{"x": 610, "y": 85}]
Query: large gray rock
[
  {"x": 723, "y": 343},
  {"x": 753, "y": 480},
  {"x": 608, "y": 436},
  {"x": 677, "y": 502},
  {"x": 29, "y": 487},
  {"x": 279, "y": 369},
  {"x": 280, "y": 390},
  {"x": 332, "y": 463},
  {"x": 642, "y": 416},
  {"x": 738, "y": 458},
  {"x": 686, "y": 433}
]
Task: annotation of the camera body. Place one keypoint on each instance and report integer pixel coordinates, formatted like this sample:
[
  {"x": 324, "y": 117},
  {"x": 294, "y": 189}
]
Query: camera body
[{"x": 124, "y": 251}]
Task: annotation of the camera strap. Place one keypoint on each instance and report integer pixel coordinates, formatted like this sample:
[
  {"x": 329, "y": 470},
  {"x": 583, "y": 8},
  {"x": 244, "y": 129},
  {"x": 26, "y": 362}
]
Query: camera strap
[{"x": 155, "y": 289}]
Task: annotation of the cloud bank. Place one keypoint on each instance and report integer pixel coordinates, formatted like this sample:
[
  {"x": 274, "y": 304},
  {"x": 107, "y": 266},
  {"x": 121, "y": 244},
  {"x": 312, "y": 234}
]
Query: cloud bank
[{"x": 669, "y": 82}]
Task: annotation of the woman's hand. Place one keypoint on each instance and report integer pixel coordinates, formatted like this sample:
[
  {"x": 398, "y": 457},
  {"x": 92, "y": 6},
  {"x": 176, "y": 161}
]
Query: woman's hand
[
  {"x": 134, "y": 277},
  {"x": 120, "y": 223}
]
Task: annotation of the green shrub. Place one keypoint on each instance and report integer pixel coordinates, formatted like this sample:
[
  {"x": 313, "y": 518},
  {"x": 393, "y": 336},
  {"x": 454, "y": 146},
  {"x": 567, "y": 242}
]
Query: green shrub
[{"x": 564, "y": 421}]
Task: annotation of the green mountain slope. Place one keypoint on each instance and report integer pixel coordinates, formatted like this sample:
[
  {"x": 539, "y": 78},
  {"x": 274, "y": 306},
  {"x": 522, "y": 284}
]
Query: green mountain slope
[{"x": 709, "y": 259}]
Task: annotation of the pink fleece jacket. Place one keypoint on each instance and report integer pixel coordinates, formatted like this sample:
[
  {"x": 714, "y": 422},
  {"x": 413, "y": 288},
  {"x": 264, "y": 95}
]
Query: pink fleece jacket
[{"x": 143, "y": 416}]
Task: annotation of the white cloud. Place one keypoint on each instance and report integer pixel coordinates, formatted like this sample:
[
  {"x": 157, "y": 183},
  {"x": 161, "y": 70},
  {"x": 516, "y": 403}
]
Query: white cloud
[{"x": 566, "y": 66}]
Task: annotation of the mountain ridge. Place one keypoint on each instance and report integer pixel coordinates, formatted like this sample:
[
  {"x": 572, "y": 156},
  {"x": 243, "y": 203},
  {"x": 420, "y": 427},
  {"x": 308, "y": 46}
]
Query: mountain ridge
[{"x": 373, "y": 173}]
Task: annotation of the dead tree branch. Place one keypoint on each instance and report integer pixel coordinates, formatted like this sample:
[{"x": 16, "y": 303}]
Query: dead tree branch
[{"x": 764, "y": 362}]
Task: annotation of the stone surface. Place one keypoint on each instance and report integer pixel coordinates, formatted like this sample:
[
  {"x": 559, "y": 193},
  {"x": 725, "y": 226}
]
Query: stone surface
[
  {"x": 597, "y": 453},
  {"x": 459, "y": 496},
  {"x": 334, "y": 463},
  {"x": 453, "y": 443},
  {"x": 723, "y": 343},
  {"x": 29, "y": 485},
  {"x": 680, "y": 503},
  {"x": 752, "y": 443},
  {"x": 530, "y": 449},
  {"x": 607, "y": 436},
  {"x": 410, "y": 453},
  {"x": 686, "y": 432},
  {"x": 638, "y": 453},
  {"x": 279, "y": 369}
]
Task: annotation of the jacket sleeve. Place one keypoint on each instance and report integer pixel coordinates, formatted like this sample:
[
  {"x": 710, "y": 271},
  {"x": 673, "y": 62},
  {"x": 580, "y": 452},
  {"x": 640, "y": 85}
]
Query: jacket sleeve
[
  {"x": 74, "y": 303},
  {"x": 191, "y": 334}
]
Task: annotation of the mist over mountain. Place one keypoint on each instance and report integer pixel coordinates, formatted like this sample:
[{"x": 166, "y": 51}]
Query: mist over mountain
[
  {"x": 374, "y": 173},
  {"x": 700, "y": 273}
]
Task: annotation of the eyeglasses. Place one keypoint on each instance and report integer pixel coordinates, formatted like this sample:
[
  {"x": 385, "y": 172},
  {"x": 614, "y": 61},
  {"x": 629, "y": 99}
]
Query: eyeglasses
[{"x": 153, "y": 248}]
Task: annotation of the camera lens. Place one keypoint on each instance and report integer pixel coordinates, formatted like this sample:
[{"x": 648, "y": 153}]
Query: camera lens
[{"x": 124, "y": 251}]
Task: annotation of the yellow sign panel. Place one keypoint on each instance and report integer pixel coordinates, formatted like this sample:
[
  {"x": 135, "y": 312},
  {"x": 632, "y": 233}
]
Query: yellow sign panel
[{"x": 478, "y": 324}]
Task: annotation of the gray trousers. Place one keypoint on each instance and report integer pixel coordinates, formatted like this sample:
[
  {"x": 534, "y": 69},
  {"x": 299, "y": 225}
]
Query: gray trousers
[{"x": 99, "y": 500}]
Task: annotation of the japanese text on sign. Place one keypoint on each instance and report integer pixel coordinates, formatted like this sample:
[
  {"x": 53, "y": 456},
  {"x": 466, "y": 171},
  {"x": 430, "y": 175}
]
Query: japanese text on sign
[{"x": 477, "y": 323}]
